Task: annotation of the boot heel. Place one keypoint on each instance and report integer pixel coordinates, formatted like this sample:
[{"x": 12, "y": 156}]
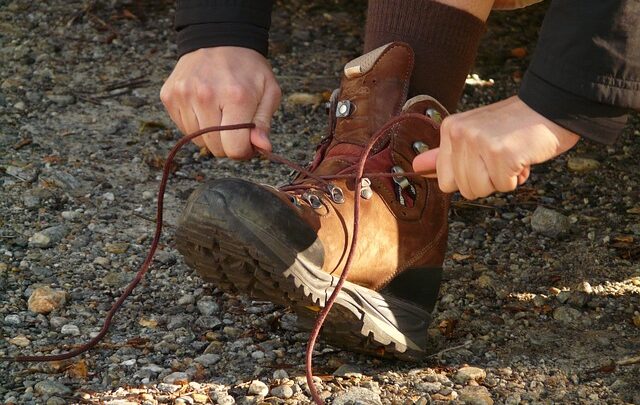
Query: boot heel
[{"x": 419, "y": 285}]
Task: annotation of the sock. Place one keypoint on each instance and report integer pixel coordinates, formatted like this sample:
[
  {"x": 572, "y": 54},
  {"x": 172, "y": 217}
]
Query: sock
[{"x": 445, "y": 40}]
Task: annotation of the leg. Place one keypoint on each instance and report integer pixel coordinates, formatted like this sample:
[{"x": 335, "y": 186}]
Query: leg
[{"x": 444, "y": 35}]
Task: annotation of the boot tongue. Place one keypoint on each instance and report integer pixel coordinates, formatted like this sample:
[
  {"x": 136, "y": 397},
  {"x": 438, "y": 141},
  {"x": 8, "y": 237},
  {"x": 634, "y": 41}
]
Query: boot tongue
[{"x": 373, "y": 90}]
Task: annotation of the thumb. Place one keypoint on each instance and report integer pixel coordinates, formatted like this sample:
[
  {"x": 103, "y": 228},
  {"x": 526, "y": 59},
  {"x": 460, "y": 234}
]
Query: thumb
[{"x": 426, "y": 162}]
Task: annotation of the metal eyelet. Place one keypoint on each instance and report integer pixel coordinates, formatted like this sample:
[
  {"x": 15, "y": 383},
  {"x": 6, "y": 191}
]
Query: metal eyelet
[
  {"x": 365, "y": 191},
  {"x": 343, "y": 109},
  {"x": 336, "y": 194},
  {"x": 420, "y": 147},
  {"x": 312, "y": 199},
  {"x": 294, "y": 201},
  {"x": 434, "y": 115},
  {"x": 402, "y": 181}
]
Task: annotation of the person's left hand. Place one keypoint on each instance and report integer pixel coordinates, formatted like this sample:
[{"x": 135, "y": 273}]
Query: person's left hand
[{"x": 492, "y": 148}]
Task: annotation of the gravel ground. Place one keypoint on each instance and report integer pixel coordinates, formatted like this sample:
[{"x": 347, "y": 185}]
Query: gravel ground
[{"x": 542, "y": 294}]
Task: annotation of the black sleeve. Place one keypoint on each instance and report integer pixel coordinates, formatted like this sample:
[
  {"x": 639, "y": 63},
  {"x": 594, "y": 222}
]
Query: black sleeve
[
  {"x": 209, "y": 23},
  {"x": 585, "y": 72}
]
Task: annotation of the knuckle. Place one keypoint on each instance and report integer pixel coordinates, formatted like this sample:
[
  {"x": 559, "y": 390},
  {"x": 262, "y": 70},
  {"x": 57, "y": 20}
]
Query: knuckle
[
  {"x": 237, "y": 93},
  {"x": 182, "y": 88},
  {"x": 204, "y": 93}
]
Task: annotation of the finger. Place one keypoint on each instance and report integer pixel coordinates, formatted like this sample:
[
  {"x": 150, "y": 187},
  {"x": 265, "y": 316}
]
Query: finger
[
  {"x": 237, "y": 143},
  {"x": 461, "y": 160},
  {"x": 479, "y": 180},
  {"x": 444, "y": 166},
  {"x": 210, "y": 116},
  {"x": 426, "y": 162},
  {"x": 264, "y": 113},
  {"x": 524, "y": 175}
]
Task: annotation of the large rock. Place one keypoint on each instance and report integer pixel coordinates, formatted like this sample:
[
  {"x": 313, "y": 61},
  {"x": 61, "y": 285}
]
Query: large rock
[
  {"x": 45, "y": 299},
  {"x": 549, "y": 222}
]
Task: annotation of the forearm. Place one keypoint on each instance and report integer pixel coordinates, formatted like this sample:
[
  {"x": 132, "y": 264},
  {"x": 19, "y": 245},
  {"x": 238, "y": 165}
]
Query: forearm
[
  {"x": 205, "y": 24},
  {"x": 585, "y": 72}
]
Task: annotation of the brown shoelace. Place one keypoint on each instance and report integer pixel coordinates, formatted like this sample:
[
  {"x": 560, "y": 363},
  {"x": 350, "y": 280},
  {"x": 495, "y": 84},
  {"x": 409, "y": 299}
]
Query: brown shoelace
[{"x": 322, "y": 315}]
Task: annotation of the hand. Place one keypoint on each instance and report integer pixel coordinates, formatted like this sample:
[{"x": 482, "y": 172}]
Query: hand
[
  {"x": 492, "y": 148},
  {"x": 223, "y": 86}
]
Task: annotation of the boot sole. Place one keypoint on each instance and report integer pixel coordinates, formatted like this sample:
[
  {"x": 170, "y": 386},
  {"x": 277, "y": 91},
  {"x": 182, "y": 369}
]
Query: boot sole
[{"x": 233, "y": 255}]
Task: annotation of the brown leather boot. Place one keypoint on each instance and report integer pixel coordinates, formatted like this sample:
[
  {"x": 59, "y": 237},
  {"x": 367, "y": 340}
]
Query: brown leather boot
[{"x": 289, "y": 245}]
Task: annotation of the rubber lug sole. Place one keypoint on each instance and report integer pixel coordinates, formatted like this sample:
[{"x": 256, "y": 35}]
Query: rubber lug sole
[{"x": 231, "y": 253}]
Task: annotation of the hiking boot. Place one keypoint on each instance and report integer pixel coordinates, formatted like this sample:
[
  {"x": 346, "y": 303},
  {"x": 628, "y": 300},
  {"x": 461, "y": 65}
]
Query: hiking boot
[{"x": 289, "y": 246}]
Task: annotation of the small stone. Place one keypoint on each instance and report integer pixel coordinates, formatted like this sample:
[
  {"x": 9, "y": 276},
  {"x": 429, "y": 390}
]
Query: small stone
[
  {"x": 280, "y": 374},
  {"x": 147, "y": 195},
  {"x": 257, "y": 387},
  {"x": 567, "y": 315},
  {"x": 563, "y": 296},
  {"x": 62, "y": 99},
  {"x": 485, "y": 282},
  {"x": 148, "y": 323},
  {"x": 44, "y": 300},
  {"x": 48, "y": 237},
  {"x": 429, "y": 387},
  {"x": 357, "y": 395},
  {"x": 549, "y": 222},
  {"x": 466, "y": 374},
  {"x": 102, "y": 261},
  {"x": 348, "y": 370},
  {"x": 584, "y": 287},
  {"x": 231, "y": 332},
  {"x": 207, "y": 306},
  {"x": 226, "y": 399},
  {"x": 304, "y": 99},
  {"x": 582, "y": 165},
  {"x": 166, "y": 387},
  {"x": 117, "y": 248},
  {"x": 20, "y": 341},
  {"x": 282, "y": 391},
  {"x": 20, "y": 105},
  {"x": 176, "y": 378},
  {"x": 636, "y": 319},
  {"x": 186, "y": 299},
  {"x": 70, "y": 329},
  {"x": 108, "y": 196},
  {"x": 207, "y": 360},
  {"x": 579, "y": 299},
  {"x": 208, "y": 322},
  {"x": 71, "y": 215},
  {"x": 12, "y": 320},
  {"x": 56, "y": 401},
  {"x": 257, "y": 355},
  {"x": 475, "y": 395},
  {"x": 539, "y": 300},
  {"x": 200, "y": 398},
  {"x": 51, "y": 388}
]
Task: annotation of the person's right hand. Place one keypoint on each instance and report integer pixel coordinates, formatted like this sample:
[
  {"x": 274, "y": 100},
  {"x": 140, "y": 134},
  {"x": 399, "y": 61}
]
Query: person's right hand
[{"x": 223, "y": 86}]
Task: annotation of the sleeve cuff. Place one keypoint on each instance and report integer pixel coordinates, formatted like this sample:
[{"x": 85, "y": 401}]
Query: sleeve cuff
[
  {"x": 595, "y": 121},
  {"x": 210, "y": 35}
]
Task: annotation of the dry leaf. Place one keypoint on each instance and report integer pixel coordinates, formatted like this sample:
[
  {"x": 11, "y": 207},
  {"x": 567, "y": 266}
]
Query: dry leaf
[
  {"x": 447, "y": 327},
  {"x": 458, "y": 257},
  {"x": 519, "y": 53},
  {"x": 148, "y": 323},
  {"x": 78, "y": 370}
]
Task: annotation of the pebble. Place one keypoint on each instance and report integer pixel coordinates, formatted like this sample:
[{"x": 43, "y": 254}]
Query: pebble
[
  {"x": 167, "y": 387},
  {"x": 56, "y": 401},
  {"x": 581, "y": 164},
  {"x": 567, "y": 315},
  {"x": 348, "y": 370},
  {"x": 117, "y": 248},
  {"x": 207, "y": 306},
  {"x": 147, "y": 195},
  {"x": 207, "y": 360},
  {"x": 70, "y": 329},
  {"x": 102, "y": 261},
  {"x": 466, "y": 374},
  {"x": 226, "y": 399},
  {"x": 48, "y": 237},
  {"x": 186, "y": 299},
  {"x": 177, "y": 377},
  {"x": 20, "y": 341},
  {"x": 357, "y": 395},
  {"x": 12, "y": 319},
  {"x": 72, "y": 216},
  {"x": 257, "y": 387},
  {"x": 45, "y": 299},
  {"x": 51, "y": 388},
  {"x": 549, "y": 222},
  {"x": 475, "y": 395},
  {"x": 62, "y": 99},
  {"x": 429, "y": 387},
  {"x": 280, "y": 374},
  {"x": 282, "y": 391}
]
